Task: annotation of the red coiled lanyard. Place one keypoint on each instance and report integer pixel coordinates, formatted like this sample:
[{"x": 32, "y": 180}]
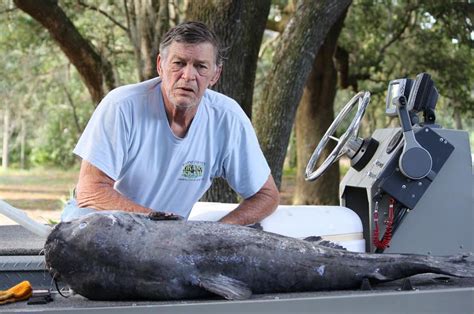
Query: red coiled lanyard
[{"x": 387, "y": 237}]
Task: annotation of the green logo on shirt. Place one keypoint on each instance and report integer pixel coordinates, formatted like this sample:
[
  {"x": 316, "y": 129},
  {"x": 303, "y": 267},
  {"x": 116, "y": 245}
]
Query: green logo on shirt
[{"x": 193, "y": 170}]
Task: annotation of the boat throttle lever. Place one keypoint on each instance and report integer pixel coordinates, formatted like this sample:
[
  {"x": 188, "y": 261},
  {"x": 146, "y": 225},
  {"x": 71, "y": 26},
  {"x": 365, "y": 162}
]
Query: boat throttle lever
[{"x": 415, "y": 162}]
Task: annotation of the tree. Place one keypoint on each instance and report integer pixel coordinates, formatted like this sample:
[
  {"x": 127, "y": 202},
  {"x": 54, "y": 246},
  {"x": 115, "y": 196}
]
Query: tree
[
  {"x": 146, "y": 22},
  {"x": 314, "y": 116},
  {"x": 291, "y": 66},
  {"x": 6, "y": 138},
  {"x": 239, "y": 24},
  {"x": 17, "y": 86},
  {"x": 403, "y": 38},
  {"x": 110, "y": 32},
  {"x": 96, "y": 72},
  {"x": 380, "y": 43}
]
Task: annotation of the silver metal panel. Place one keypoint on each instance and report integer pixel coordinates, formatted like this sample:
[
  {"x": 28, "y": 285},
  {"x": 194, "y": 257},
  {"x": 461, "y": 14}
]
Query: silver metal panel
[
  {"x": 432, "y": 301},
  {"x": 22, "y": 263},
  {"x": 367, "y": 176},
  {"x": 442, "y": 221},
  {"x": 14, "y": 269}
]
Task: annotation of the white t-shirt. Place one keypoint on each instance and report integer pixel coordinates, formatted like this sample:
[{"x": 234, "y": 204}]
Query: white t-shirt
[{"x": 129, "y": 138}]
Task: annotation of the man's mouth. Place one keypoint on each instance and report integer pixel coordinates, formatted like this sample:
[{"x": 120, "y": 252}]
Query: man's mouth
[{"x": 186, "y": 89}]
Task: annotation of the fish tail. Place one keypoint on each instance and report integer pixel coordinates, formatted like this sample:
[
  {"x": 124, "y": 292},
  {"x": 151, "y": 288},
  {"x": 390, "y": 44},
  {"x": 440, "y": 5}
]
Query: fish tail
[{"x": 456, "y": 265}]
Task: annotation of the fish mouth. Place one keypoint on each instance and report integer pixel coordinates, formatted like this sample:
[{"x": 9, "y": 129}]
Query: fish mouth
[{"x": 54, "y": 273}]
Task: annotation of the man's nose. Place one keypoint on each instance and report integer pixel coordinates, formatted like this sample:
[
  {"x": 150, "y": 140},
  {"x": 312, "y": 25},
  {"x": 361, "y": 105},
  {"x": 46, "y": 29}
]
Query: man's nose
[{"x": 189, "y": 73}]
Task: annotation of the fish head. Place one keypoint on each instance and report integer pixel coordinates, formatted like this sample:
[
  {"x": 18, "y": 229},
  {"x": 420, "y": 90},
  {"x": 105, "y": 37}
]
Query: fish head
[
  {"x": 81, "y": 227},
  {"x": 74, "y": 238}
]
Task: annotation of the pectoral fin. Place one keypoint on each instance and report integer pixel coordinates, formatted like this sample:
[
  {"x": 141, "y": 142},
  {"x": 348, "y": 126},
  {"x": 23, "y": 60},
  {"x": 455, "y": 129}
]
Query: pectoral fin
[
  {"x": 226, "y": 287},
  {"x": 376, "y": 275}
]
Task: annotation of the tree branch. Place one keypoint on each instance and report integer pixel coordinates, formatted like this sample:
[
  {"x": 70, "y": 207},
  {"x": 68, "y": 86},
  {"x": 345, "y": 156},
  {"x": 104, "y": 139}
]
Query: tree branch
[
  {"x": 342, "y": 56},
  {"x": 79, "y": 50},
  {"x": 127, "y": 15},
  {"x": 398, "y": 35},
  {"x": 8, "y": 10},
  {"x": 277, "y": 26},
  {"x": 73, "y": 106},
  {"x": 267, "y": 44},
  {"x": 94, "y": 8},
  {"x": 291, "y": 65}
]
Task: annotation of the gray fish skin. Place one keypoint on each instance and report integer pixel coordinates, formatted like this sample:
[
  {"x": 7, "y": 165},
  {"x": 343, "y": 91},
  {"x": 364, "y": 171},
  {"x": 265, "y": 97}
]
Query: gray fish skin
[{"x": 119, "y": 256}]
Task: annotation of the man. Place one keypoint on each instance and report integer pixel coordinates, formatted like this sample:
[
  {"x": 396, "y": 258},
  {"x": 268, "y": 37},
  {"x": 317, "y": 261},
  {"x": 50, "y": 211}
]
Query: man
[{"x": 156, "y": 145}]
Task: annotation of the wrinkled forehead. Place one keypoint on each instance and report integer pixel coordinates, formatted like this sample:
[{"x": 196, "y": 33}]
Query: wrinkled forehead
[{"x": 202, "y": 51}]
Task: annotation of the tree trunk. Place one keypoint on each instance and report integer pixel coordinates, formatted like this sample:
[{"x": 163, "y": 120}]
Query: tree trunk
[
  {"x": 148, "y": 21},
  {"x": 290, "y": 159},
  {"x": 22, "y": 143},
  {"x": 240, "y": 25},
  {"x": 457, "y": 118},
  {"x": 6, "y": 138},
  {"x": 292, "y": 64},
  {"x": 314, "y": 116},
  {"x": 95, "y": 71}
]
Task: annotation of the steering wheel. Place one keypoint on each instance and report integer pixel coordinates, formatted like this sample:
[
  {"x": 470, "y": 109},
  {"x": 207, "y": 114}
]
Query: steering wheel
[{"x": 362, "y": 99}]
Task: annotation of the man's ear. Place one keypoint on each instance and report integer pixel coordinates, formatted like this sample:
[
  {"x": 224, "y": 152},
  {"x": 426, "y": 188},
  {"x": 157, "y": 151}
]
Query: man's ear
[
  {"x": 217, "y": 75},
  {"x": 158, "y": 64}
]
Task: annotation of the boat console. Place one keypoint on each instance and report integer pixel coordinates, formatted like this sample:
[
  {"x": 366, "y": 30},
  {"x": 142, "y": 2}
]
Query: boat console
[{"x": 411, "y": 185}]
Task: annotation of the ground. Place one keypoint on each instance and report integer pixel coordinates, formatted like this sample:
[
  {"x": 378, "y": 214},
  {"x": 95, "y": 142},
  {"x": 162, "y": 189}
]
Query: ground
[{"x": 42, "y": 193}]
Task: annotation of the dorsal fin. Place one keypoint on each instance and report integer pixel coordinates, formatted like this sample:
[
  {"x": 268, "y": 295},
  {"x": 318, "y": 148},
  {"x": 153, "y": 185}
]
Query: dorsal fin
[
  {"x": 313, "y": 239},
  {"x": 320, "y": 241},
  {"x": 257, "y": 226},
  {"x": 163, "y": 216}
]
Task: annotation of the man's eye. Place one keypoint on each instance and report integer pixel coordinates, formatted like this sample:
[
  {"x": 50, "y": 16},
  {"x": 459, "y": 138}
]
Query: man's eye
[{"x": 202, "y": 66}]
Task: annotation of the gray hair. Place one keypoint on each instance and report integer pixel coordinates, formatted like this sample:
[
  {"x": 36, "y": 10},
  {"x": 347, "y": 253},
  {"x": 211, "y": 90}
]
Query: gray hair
[{"x": 193, "y": 33}]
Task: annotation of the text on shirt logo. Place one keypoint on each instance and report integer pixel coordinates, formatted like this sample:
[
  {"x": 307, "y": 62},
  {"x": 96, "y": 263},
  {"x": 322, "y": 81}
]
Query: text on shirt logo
[{"x": 192, "y": 170}]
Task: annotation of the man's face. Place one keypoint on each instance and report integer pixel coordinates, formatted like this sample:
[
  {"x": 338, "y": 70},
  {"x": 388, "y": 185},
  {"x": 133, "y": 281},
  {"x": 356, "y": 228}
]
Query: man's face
[{"x": 186, "y": 70}]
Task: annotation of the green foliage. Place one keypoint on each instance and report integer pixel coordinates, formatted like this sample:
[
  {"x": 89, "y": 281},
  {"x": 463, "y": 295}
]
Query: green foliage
[
  {"x": 385, "y": 39},
  {"x": 394, "y": 39},
  {"x": 43, "y": 89}
]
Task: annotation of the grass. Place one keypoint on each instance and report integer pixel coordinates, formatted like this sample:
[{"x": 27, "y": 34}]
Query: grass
[
  {"x": 42, "y": 192},
  {"x": 37, "y": 189}
]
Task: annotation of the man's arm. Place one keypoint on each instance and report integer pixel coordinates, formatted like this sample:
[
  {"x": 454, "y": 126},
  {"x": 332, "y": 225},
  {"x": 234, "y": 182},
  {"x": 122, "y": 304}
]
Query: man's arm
[
  {"x": 256, "y": 207},
  {"x": 96, "y": 190}
]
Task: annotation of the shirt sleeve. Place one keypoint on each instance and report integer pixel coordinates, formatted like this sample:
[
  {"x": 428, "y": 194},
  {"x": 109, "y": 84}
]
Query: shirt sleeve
[
  {"x": 245, "y": 167},
  {"x": 104, "y": 141}
]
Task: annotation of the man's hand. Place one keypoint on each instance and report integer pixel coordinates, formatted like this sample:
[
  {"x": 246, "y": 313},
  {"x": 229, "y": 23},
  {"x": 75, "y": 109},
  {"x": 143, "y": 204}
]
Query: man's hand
[
  {"x": 96, "y": 190},
  {"x": 256, "y": 207}
]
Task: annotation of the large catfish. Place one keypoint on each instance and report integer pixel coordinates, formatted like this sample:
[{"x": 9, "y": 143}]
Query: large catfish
[{"x": 118, "y": 256}]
